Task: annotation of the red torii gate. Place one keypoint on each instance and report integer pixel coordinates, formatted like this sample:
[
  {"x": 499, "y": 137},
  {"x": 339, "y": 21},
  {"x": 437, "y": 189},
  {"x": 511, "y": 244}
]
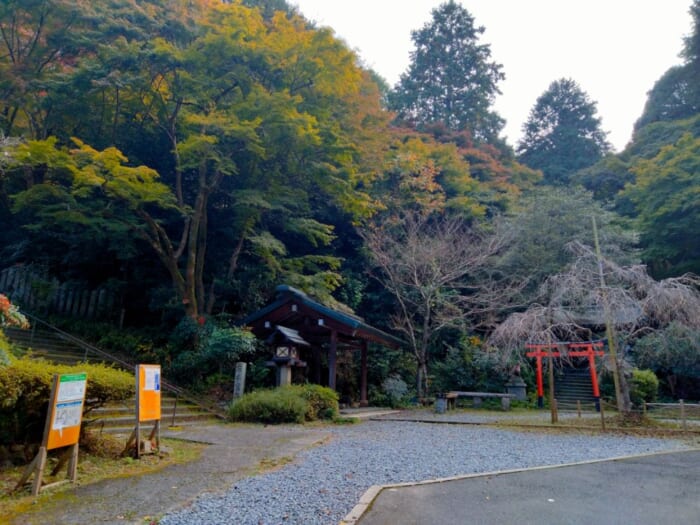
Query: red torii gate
[{"x": 589, "y": 349}]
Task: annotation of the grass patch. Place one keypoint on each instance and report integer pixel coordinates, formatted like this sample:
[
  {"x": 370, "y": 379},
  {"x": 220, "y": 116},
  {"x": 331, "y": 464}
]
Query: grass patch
[
  {"x": 270, "y": 464},
  {"x": 96, "y": 463}
]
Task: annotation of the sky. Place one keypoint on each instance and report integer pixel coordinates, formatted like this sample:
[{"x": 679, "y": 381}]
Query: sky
[{"x": 614, "y": 49}]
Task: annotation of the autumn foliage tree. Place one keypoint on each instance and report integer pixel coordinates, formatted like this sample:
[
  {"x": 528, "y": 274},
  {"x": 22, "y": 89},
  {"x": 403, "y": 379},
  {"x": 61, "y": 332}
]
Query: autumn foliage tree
[{"x": 256, "y": 129}]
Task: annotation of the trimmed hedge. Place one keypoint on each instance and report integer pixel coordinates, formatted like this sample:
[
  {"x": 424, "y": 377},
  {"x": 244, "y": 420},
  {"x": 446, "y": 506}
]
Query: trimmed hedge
[
  {"x": 25, "y": 387},
  {"x": 289, "y": 404},
  {"x": 269, "y": 406}
]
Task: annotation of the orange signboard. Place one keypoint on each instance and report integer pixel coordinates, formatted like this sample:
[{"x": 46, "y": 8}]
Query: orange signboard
[
  {"x": 148, "y": 388},
  {"x": 66, "y": 410}
]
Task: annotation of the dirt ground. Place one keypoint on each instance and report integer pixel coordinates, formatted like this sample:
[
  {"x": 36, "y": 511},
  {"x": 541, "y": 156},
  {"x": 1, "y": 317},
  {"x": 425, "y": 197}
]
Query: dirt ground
[{"x": 234, "y": 452}]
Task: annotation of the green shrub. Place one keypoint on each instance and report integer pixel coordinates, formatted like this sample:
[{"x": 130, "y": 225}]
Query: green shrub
[
  {"x": 269, "y": 406},
  {"x": 322, "y": 401},
  {"x": 4, "y": 350},
  {"x": 289, "y": 404},
  {"x": 25, "y": 387},
  {"x": 644, "y": 386},
  {"x": 217, "y": 351},
  {"x": 396, "y": 391}
]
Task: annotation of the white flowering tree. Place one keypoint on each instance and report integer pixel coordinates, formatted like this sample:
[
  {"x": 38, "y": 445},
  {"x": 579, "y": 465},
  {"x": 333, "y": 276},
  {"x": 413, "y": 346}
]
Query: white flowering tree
[{"x": 592, "y": 293}]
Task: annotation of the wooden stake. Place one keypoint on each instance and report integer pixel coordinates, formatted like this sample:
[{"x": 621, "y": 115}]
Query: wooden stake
[{"x": 39, "y": 472}]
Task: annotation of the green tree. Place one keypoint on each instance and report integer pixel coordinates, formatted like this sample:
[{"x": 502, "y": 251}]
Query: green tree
[
  {"x": 563, "y": 133},
  {"x": 546, "y": 222},
  {"x": 71, "y": 200},
  {"x": 262, "y": 130},
  {"x": 665, "y": 196},
  {"x": 669, "y": 99},
  {"x": 676, "y": 95},
  {"x": 606, "y": 178},
  {"x": 451, "y": 78},
  {"x": 674, "y": 354}
]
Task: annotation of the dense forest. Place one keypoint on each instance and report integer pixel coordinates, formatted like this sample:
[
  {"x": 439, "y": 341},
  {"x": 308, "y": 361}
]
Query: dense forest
[{"x": 186, "y": 157}]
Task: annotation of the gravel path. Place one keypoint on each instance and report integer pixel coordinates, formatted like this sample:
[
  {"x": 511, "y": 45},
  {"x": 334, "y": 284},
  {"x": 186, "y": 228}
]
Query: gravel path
[{"x": 325, "y": 482}]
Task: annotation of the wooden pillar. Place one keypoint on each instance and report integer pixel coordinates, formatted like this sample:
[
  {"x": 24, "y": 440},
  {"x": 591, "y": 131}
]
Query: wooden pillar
[
  {"x": 316, "y": 365},
  {"x": 540, "y": 380},
  {"x": 594, "y": 378},
  {"x": 332, "y": 355},
  {"x": 363, "y": 375}
]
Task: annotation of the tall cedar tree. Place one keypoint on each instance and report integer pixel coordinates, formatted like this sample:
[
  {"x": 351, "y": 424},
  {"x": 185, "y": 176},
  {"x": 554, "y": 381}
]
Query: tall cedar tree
[
  {"x": 563, "y": 133},
  {"x": 451, "y": 79}
]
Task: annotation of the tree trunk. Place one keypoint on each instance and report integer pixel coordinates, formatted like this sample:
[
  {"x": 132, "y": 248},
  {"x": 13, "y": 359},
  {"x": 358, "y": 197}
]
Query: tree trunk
[{"x": 422, "y": 378}]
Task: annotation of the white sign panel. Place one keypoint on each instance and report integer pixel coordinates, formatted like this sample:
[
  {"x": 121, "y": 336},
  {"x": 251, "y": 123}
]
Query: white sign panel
[
  {"x": 71, "y": 387},
  {"x": 152, "y": 380},
  {"x": 68, "y": 415}
]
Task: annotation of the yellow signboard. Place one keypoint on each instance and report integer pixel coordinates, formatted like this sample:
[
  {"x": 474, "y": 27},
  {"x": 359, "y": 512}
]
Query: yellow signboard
[
  {"x": 148, "y": 388},
  {"x": 67, "y": 411}
]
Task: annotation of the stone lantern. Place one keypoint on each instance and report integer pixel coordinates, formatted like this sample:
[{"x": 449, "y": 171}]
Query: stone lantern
[{"x": 285, "y": 343}]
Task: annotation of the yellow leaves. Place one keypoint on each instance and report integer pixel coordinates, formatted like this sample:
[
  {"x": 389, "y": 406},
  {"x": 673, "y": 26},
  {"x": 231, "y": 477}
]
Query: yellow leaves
[
  {"x": 312, "y": 58},
  {"x": 317, "y": 233},
  {"x": 106, "y": 170},
  {"x": 37, "y": 153}
]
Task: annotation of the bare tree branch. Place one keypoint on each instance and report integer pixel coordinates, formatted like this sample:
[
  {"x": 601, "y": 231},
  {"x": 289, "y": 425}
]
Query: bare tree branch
[{"x": 437, "y": 270}]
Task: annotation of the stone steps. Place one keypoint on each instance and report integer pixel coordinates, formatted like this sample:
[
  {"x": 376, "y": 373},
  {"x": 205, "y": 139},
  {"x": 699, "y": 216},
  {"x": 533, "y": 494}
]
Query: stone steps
[
  {"x": 114, "y": 417},
  {"x": 572, "y": 386}
]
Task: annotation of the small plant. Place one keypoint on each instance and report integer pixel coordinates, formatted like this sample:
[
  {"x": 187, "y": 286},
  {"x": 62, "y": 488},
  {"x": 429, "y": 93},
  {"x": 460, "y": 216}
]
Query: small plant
[
  {"x": 395, "y": 389},
  {"x": 644, "y": 387},
  {"x": 10, "y": 315}
]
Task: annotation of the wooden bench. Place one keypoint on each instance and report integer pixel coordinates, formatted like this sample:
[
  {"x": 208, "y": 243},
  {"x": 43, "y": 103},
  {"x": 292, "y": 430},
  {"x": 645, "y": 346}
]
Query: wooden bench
[{"x": 477, "y": 398}]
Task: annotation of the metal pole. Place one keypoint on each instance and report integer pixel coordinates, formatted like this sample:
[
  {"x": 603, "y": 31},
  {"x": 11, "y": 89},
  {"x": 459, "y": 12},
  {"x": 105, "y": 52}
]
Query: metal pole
[{"x": 174, "y": 410}]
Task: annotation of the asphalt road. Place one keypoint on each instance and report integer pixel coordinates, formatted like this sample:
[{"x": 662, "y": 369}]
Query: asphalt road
[{"x": 658, "y": 489}]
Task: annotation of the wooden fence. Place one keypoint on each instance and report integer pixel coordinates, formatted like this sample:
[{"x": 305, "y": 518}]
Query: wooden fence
[
  {"x": 37, "y": 293},
  {"x": 682, "y": 411}
]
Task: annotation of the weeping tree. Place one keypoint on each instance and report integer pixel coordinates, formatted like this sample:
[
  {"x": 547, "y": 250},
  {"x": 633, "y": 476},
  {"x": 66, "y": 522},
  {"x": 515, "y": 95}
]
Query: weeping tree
[
  {"x": 436, "y": 269},
  {"x": 578, "y": 304}
]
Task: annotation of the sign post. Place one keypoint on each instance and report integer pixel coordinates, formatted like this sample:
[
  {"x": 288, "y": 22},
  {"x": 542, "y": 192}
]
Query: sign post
[
  {"x": 62, "y": 428},
  {"x": 148, "y": 382}
]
